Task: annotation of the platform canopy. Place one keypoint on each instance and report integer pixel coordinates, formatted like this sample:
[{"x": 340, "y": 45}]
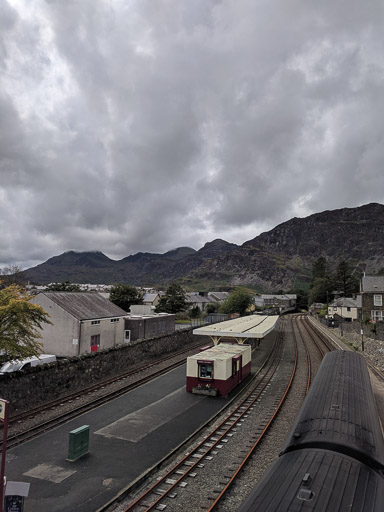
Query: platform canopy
[{"x": 240, "y": 329}]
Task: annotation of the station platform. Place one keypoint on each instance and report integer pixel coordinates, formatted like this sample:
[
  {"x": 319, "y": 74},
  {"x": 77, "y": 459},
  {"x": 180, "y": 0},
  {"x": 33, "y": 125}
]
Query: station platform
[{"x": 128, "y": 436}]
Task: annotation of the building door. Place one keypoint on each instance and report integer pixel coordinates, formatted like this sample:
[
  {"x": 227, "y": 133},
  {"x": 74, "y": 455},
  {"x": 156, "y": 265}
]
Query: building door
[{"x": 95, "y": 342}]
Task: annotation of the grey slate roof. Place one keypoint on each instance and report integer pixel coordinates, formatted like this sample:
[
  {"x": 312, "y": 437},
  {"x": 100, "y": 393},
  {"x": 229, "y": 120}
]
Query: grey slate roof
[
  {"x": 86, "y": 306},
  {"x": 345, "y": 302},
  {"x": 218, "y": 296},
  {"x": 279, "y": 297},
  {"x": 192, "y": 298},
  {"x": 149, "y": 297},
  {"x": 372, "y": 284}
]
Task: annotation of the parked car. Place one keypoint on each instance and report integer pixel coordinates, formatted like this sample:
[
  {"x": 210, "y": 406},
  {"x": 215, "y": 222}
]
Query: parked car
[{"x": 14, "y": 366}]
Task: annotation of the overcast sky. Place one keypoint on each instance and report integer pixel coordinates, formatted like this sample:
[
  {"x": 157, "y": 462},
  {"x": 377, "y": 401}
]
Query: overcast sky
[{"x": 145, "y": 125}]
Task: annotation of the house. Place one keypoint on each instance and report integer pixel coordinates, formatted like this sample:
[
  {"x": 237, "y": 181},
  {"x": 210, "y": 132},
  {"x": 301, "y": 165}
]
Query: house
[
  {"x": 151, "y": 299},
  {"x": 197, "y": 299},
  {"x": 346, "y": 308},
  {"x": 142, "y": 322},
  {"x": 316, "y": 308},
  {"x": 202, "y": 299},
  {"x": 82, "y": 322},
  {"x": 372, "y": 294},
  {"x": 219, "y": 297},
  {"x": 285, "y": 302}
]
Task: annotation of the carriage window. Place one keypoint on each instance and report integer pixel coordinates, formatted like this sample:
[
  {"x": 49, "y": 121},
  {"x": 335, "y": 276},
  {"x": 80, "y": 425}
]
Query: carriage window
[{"x": 206, "y": 371}]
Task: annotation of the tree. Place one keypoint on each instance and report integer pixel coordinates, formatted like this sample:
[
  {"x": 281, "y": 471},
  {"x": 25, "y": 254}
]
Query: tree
[
  {"x": 125, "y": 296},
  {"x": 345, "y": 282},
  {"x": 320, "y": 290},
  {"x": 20, "y": 323},
  {"x": 321, "y": 285},
  {"x": 238, "y": 302},
  {"x": 66, "y": 286},
  {"x": 195, "y": 312},
  {"x": 12, "y": 274},
  {"x": 173, "y": 301},
  {"x": 301, "y": 298},
  {"x": 211, "y": 308}
]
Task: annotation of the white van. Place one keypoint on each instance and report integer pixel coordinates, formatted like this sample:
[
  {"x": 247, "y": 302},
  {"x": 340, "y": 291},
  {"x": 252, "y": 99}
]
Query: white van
[{"x": 14, "y": 366}]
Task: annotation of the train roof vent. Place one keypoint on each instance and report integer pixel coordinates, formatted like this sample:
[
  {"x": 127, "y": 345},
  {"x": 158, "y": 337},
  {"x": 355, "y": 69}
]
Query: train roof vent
[{"x": 305, "y": 494}]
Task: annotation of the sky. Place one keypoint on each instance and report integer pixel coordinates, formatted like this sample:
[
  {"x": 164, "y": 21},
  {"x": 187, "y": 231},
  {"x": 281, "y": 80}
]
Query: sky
[{"x": 146, "y": 125}]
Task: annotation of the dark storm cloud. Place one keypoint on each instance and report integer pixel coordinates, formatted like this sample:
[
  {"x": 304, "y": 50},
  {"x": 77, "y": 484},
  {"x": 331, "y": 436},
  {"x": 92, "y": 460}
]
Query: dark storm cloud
[{"x": 143, "y": 126}]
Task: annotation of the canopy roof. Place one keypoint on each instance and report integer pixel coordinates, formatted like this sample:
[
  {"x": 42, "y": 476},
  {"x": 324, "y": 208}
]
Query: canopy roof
[
  {"x": 220, "y": 352},
  {"x": 240, "y": 329}
]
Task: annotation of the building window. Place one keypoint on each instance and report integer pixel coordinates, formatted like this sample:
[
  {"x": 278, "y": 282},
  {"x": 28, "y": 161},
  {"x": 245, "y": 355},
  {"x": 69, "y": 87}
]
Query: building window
[
  {"x": 95, "y": 342},
  {"x": 127, "y": 336},
  {"x": 95, "y": 322},
  {"x": 377, "y": 300},
  {"x": 377, "y": 316},
  {"x": 206, "y": 371},
  {"x": 113, "y": 320},
  {"x": 348, "y": 309}
]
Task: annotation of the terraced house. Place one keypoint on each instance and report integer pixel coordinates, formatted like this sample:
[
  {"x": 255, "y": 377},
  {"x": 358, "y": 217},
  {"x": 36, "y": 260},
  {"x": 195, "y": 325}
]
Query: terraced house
[{"x": 372, "y": 297}]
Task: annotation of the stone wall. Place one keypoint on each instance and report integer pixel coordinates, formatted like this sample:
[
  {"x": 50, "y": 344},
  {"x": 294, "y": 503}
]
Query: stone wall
[
  {"x": 368, "y": 304},
  {"x": 29, "y": 388}
]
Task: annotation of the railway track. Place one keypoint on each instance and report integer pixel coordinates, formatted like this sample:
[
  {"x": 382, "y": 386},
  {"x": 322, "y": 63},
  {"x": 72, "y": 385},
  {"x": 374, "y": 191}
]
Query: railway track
[
  {"x": 58, "y": 417},
  {"x": 379, "y": 374},
  {"x": 229, "y": 471},
  {"x": 203, "y": 460},
  {"x": 270, "y": 447}
]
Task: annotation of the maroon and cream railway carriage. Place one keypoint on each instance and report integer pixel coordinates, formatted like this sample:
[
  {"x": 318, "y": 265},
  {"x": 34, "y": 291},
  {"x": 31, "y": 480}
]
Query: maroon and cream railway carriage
[{"x": 217, "y": 370}]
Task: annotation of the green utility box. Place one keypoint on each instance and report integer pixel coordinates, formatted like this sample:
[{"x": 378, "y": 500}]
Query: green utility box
[{"x": 78, "y": 443}]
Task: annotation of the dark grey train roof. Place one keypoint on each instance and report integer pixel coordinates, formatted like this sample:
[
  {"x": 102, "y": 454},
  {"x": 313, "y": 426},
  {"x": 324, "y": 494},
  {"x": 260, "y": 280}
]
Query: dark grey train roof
[
  {"x": 85, "y": 306},
  {"x": 340, "y": 411},
  {"x": 317, "y": 481}
]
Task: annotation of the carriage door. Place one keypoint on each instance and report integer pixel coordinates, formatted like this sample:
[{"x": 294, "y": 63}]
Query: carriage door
[{"x": 237, "y": 367}]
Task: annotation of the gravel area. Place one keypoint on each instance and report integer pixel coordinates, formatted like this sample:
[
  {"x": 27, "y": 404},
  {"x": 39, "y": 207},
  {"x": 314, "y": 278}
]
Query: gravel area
[{"x": 373, "y": 349}]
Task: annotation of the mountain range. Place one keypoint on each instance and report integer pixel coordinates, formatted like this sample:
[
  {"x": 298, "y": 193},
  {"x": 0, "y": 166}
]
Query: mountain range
[{"x": 280, "y": 259}]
